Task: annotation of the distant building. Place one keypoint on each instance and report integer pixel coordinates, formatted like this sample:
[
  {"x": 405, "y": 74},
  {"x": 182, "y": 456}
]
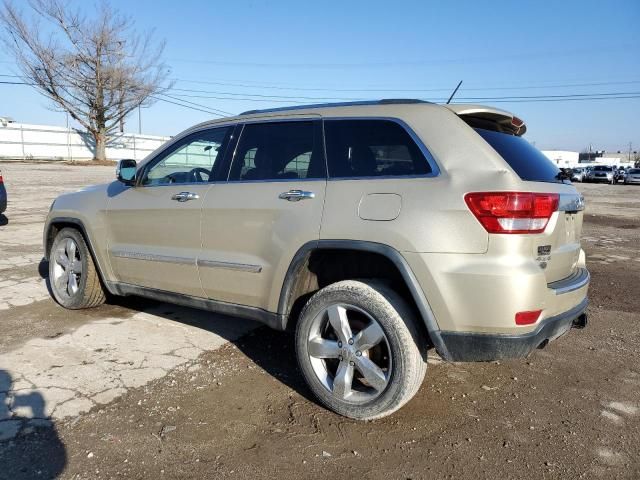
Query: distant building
[
  {"x": 568, "y": 159},
  {"x": 600, "y": 157},
  {"x": 563, "y": 158}
]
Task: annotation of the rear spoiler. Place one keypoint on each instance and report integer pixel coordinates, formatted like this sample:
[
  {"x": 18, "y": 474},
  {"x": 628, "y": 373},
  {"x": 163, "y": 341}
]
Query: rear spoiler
[{"x": 490, "y": 118}]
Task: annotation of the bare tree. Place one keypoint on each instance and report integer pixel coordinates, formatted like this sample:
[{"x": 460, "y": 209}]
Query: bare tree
[{"x": 97, "y": 69}]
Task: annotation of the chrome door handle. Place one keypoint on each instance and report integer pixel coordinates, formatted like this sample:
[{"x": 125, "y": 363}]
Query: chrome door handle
[
  {"x": 296, "y": 195},
  {"x": 185, "y": 196}
]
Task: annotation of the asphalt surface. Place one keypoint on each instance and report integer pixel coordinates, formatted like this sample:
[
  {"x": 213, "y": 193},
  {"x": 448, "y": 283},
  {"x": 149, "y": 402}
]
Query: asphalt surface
[{"x": 139, "y": 389}]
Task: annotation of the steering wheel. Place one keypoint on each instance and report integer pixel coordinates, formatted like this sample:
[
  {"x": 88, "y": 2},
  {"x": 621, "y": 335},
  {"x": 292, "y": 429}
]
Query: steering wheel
[{"x": 195, "y": 174}]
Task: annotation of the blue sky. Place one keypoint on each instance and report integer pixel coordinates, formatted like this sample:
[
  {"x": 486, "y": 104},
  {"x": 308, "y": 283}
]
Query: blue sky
[{"x": 288, "y": 50}]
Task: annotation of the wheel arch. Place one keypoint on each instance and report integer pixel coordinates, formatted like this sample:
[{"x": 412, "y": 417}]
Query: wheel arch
[
  {"x": 55, "y": 225},
  {"x": 296, "y": 282}
]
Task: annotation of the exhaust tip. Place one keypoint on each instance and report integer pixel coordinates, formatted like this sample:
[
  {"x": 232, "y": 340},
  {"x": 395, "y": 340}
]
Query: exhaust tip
[
  {"x": 543, "y": 344},
  {"x": 580, "y": 322}
]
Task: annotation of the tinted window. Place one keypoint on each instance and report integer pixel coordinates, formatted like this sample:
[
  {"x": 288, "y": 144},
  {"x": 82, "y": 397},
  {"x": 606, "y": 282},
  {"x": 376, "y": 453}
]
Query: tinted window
[
  {"x": 527, "y": 161},
  {"x": 371, "y": 148},
  {"x": 274, "y": 151},
  {"x": 634, "y": 171},
  {"x": 190, "y": 160},
  {"x": 602, "y": 169}
]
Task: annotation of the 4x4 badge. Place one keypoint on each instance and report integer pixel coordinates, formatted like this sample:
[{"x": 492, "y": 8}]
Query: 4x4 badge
[{"x": 544, "y": 250}]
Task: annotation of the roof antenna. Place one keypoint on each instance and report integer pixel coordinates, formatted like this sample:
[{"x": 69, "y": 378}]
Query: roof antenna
[{"x": 454, "y": 92}]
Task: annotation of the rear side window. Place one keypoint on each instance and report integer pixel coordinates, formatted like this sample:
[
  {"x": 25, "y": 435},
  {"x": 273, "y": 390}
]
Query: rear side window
[
  {"x": 372, "y": 148},
  {"x": 527, "y": 161},
  {"x": 278, "y": 151}
]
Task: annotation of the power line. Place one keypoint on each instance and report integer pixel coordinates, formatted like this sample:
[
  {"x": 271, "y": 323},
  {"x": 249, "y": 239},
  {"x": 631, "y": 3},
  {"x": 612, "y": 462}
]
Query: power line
[
  {"x": 406, "y": 90},
  {"x": 502, "y": 99},
  {"x": 198, "y": 105},
  {"x": 282, "y": 99},
  {"x": 232, "y": 95},
  {"x": 563, "y": 99},
  {"x": 186, "y": 106},
  {"x": 297, "y": 98}
]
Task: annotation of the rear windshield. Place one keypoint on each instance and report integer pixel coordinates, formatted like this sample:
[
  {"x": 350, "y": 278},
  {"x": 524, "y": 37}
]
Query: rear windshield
[
  {"x": 527, "y": 161},
  {"x": 602, "y": 169},
  {"x": 634, "y": 171}
]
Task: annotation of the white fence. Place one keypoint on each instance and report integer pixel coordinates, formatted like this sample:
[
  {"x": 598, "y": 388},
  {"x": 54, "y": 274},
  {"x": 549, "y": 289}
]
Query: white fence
[{"x": 41, "y": 142}]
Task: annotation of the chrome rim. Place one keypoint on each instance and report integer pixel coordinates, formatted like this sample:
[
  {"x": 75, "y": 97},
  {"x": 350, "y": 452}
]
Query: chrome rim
[
  {"x": 67, "y": 268},
  {"x": 349, "y": 353}
]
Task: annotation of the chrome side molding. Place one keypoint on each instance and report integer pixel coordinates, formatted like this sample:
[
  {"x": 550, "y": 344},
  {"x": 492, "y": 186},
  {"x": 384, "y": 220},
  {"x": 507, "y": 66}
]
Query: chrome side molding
[
  {"x": 153, "y": 257},
  {"x": 243, "y": 267}
]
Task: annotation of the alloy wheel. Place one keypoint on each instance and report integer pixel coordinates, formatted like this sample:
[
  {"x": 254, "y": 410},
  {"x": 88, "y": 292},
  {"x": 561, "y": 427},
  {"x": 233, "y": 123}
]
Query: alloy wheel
[
  {"x": 349, "y": 353},
  {"x": 67, "y": 268}
]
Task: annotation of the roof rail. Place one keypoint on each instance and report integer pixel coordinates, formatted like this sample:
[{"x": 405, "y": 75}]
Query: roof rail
[{"x": 386, "y": 101}]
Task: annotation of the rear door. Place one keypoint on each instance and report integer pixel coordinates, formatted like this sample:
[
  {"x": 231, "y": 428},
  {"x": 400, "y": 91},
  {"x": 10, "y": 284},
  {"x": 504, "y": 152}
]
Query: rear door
[
  {"x": 154, "y": 227},
  {"x": 557, "y": 250},
  {"x": 272, "y": 204}
]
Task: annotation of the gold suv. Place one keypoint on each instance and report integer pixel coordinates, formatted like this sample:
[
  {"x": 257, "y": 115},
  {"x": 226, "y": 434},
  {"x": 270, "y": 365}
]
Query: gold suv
[{"x": 376, "y": 230}]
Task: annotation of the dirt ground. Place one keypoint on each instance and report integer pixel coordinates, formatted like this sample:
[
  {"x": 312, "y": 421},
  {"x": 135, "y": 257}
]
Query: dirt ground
[{"x": 224, "y": 398}]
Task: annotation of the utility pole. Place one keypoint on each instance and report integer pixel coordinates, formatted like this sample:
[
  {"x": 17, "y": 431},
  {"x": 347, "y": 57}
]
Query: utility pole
[
  {"x": 139, "y": 120},
  {"x": 630, "y": 145}
]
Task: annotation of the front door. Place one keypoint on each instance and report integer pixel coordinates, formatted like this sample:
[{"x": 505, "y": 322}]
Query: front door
[
  {"x": 154, "y": 227},
  {"x": 253, "y": 225}
]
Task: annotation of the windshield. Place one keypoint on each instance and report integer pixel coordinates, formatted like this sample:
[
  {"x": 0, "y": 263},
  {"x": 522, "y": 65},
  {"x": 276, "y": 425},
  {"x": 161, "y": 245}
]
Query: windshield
[
  {"x": 526, "y": 160},
  {"x": 634, "y": 171},
  {"x": 602, "y": 169}
]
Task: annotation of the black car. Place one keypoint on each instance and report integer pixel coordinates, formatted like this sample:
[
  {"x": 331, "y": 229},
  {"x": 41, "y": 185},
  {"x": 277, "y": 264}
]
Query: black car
[{"x": 3, "y": 195}]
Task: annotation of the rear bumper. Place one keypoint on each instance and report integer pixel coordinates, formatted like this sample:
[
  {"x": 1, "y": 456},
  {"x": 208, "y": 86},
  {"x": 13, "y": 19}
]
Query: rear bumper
[{"x": 478, "y": 347}]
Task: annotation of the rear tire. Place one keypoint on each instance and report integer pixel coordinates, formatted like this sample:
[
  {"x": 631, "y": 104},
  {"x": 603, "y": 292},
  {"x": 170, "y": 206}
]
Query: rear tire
[
  {"x": 74, "y": 280},
  {"x": 359, "y": 349}
]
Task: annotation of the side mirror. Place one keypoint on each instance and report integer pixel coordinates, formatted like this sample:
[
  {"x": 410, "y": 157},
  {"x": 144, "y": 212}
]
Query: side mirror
[{"x": 126, "y": 171}]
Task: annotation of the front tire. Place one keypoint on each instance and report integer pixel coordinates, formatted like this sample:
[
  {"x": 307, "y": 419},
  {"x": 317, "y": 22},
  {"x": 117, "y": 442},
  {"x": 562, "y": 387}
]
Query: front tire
[
  {"x": 73, "y": 277},
  {"x": 359, "y": 349}
]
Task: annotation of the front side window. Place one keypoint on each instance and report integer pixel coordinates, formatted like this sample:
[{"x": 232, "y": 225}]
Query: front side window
[
  {"x": 278, "y": 151},
  {"x": 372, "y": 148},
  {"x": 191, "y": 160}
]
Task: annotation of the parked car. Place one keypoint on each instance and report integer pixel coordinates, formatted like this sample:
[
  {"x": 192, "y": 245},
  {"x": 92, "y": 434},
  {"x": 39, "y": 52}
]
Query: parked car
[
  {"x": 3, "y": 195},
  {"x": 632, "y": 176},
  {"x": 620, "y": 174},
  {"x": 376, "y": 230},
  {"x": 578, "y": 175},
  {"x": 602, "y": 173}
]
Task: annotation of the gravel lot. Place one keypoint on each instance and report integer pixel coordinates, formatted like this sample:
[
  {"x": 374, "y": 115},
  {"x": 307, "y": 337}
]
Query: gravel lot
[{"x": 141, "y": 389}]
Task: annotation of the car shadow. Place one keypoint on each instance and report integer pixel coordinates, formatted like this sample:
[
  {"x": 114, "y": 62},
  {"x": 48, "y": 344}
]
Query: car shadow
[
  {"x": 3, "y": 220},
  {"x": 271, "y": 350},
  {"x": 30, "y": 446}
]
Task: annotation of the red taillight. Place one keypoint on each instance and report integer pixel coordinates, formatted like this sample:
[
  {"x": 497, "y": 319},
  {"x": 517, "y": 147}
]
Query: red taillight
[
  {"x": 527, "y": 318},
  {"x": 1, "y": 180},
  {"x": 512, "y": 212}
]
